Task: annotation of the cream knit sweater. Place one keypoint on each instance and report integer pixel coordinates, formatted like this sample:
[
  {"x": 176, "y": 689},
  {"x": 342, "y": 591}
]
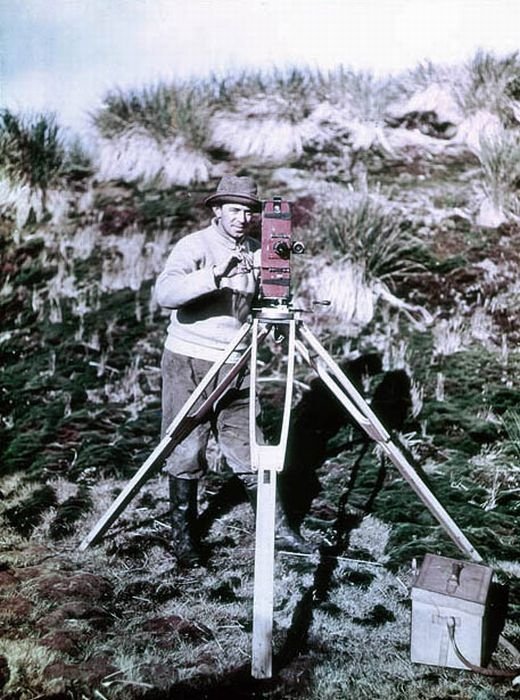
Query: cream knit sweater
[{"x": 204, "y": 317}]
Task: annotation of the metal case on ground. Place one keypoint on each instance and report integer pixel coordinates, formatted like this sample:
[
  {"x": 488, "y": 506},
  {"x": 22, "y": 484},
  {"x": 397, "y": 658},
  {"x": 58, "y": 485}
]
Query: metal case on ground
[{"x": 457, "y": 593}]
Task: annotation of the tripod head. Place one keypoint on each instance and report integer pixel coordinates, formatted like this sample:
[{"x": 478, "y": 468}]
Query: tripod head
[{"x": 277, "y": 249}]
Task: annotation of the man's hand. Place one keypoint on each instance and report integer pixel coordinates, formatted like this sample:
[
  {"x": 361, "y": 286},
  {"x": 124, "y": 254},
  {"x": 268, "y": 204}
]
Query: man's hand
[{"x": 224, "y": 268}]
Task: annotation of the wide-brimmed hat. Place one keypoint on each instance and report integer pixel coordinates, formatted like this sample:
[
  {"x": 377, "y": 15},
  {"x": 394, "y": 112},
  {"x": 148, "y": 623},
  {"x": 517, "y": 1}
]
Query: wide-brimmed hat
[{"x": 235, "y": 189}]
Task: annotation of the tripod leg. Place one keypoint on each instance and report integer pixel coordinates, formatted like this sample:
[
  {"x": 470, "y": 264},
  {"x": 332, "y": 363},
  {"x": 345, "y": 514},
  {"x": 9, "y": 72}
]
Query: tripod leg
[
  {"x": 181, "y": 426},
  {"x": 263, "y": 594},
  {"x": 267, "y": 460},
  {"x": 271, "y": 456},
  {"x": 331, "y": 374}
]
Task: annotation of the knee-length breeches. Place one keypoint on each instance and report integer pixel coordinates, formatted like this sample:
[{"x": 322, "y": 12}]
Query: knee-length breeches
[{"x": 228, "y": 420}]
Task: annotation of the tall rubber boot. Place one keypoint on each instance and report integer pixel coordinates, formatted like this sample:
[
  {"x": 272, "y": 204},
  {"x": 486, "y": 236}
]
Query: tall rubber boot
[
  {"x": 183, "y": 519},
  {"x": 286, "y": 537}
]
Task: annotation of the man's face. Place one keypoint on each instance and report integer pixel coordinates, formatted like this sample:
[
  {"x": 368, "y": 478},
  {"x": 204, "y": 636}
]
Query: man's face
[{"x": 233, "y": 219}]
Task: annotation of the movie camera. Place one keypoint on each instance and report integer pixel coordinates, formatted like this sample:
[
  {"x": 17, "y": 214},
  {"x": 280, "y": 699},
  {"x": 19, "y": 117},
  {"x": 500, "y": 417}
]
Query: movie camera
[{"x": 276, "y": 251}]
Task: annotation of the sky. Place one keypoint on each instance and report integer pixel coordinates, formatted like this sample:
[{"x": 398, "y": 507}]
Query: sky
[{"x": 64, "y": 55}]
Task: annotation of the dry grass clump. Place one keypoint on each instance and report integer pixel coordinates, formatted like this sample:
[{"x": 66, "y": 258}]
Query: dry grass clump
[
  {"x": 490, "y": 84},
  {"x": 361, "y": 248},
  {"x": 425, "y": 74},
  {"x": 163, "y": 111},
  {"x": 369, "y": 231},
  {"x": 258, "y": 129},
  {"x": 469, "y": 327},
  {"x": 136, "y": 155},
  {"x": 496, "y": 466},
  {"x": 156, "y": 134},
  {"x": 16, "y": 490},
  {"x": 361, "y": 94},
  {"x": 262, "y": 115},
  {"x": 32, "y": 151},
  {"x": 471, "y": 102},
  {"x": 486, "y": 82},
  {"x": 494, "y": 469},
  {"x": 128, "y": 260},
  {"x": 500, "y": 164},
  {"x": 27, "y": 661},
  {"x": 36, "y": 158},
  {"x": 451, "y": 335},
  {"x": 78, "y": 244}
]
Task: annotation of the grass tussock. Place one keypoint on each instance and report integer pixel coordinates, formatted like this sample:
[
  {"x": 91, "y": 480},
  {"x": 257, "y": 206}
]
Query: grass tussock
[
  {"x": 500, "y": 164},
  {"x": 26, "y": 663},
  {"x": 362, "y": 249},
  {"x": 136, "y": 155},
  {"x": 490, "y": 84},
  {"x": 367, "y": 231},
  {"x": 163, "y": 111},
  {"x": 37, "y": 160},
  {"x": 31, "y": 149},
  {"x": 156, "y": 134}
]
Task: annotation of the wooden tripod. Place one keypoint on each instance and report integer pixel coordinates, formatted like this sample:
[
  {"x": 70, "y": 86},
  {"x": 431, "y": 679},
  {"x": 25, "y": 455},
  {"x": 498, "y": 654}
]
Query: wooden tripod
[{"x": 268, "y": 460}]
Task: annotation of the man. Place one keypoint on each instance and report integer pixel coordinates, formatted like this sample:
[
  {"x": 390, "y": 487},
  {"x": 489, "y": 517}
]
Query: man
[{"x": 210, "y": 281}]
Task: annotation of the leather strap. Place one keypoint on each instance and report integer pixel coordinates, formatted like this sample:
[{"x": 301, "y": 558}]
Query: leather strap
[{"x": 489, "y": 671}]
